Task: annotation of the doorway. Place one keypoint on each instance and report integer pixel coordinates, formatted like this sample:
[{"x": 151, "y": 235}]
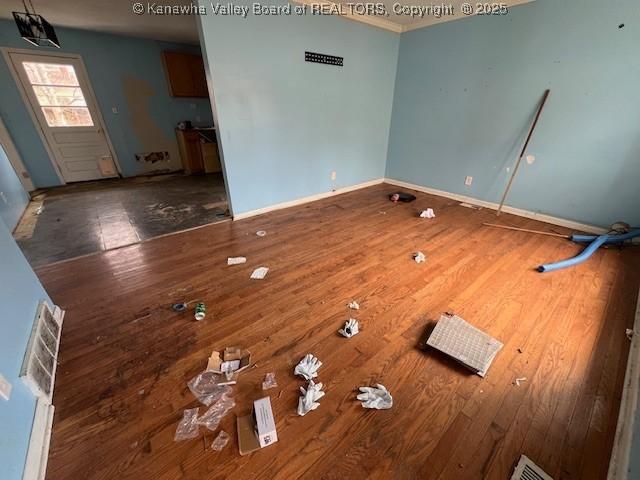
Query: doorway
[{"x": 58, "y": 95}]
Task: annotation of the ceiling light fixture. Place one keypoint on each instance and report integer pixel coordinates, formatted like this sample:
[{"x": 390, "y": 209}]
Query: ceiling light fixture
[{"x": 34, "y": 28}]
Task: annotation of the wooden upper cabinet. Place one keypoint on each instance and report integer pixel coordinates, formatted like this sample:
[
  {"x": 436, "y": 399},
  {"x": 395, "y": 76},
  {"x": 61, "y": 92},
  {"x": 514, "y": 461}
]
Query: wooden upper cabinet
[{"x": 185, "y": 74}]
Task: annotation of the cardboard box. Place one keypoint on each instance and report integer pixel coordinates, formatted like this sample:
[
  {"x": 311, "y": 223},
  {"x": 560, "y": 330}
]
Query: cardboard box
[
  {"x": 258, "y": 429},
  {"x": 231, "y": 362}
]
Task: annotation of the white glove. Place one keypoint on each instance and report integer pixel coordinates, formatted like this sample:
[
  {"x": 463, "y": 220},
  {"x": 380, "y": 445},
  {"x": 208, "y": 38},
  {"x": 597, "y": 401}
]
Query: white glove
[
  {"x": 378, "y": 398},
  {"x": 350, "y": 328},
  {"x": 428, "y": 213},
  {"x": 309, "y": 397},
  {"x": 419, "y": 257},
  {"x": 308, "y": 367}
]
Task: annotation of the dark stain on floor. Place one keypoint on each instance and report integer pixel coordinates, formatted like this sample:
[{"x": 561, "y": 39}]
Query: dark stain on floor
[{"x": 74, "y": 220}]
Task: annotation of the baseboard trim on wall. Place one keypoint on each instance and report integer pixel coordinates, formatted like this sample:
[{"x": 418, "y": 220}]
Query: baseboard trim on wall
[
  {"x": 35, "y": 466},
  {"x": 562, "y": 222},
  {"x": 621, "y": 453},
  {"x": 310, "y": 198}
]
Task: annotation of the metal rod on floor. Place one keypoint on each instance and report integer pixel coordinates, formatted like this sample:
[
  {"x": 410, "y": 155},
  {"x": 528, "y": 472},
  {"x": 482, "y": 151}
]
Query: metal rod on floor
[
  {"x": 524, "y": 149},
  {"x": 551, "y": 234}
]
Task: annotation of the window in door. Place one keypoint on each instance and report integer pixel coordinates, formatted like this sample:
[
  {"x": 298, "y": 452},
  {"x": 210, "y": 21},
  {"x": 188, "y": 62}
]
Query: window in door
[{"x": 59, "y": 94}]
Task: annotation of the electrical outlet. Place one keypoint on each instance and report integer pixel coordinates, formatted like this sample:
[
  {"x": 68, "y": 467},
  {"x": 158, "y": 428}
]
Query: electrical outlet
[
  {"x": 468, "y": 181},
  {"x": 3, "y": 197},
  {"x": 333, "y": 175},
  {"x": 114, "y": 110},
  {"x": 5, "y": 388}
]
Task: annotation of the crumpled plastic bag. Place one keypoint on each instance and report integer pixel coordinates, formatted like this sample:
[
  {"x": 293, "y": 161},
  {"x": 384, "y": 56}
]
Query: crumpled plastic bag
[
  {"x": 269, "y": 381},
  {"x": 188, "y": 427},
  {"x": 206, "y": 388},
  {"x": 211, "y": 418},
  {"x": 220, "y": 441}
]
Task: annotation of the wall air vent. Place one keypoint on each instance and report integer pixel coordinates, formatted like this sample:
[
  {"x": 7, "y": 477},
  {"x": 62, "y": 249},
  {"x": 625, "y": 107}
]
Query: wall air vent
[
  {"x": 322, "y": 58},
  {"x": 39, "y": 366},
  {"x": 527, "y": 470}
]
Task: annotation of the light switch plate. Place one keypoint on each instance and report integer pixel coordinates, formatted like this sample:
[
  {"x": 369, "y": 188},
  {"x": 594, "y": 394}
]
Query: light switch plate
[{"x": 5, "y": 388}]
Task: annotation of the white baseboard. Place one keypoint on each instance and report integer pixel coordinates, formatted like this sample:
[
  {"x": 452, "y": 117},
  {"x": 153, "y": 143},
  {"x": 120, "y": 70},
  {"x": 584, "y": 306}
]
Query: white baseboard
[
  {"x": 36, "y": 465},
  {"x": 619, "y": 463},
  {"x": 303, "y": 200},
  {"x": 582, "y": 227}
]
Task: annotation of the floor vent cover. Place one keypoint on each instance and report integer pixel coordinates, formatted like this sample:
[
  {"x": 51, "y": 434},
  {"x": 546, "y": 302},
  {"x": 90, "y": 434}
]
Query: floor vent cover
[
  {"x": 40, "y": 360},
  {"x": 527, "y": 470}
]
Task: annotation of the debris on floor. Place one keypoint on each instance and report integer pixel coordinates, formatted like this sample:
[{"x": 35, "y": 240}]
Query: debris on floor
[
  {"x": 200, "y": 311},
  {"x": 207, "y": 387},
  {"x": 470, "y": 205},
  {"x": 428, "y": 213},
  {"x": 269, "y": 381},
  {"x": 309, "y": 398},
  {"x": 259, "y": 273},
  {"x": 230, "y": 363},
  {"x": 220, "y": 441},
  {"x": 236, "y": 260},
  {"x": 188, "y": 427},
  {"x": 402, "y": 197},
  {"x": 350, "y": 328},
  {"x": 353, "y": 305},
  {"x": 308, "y": 367},
  {"x": 377, "y": 397},
  {"x": 419, "y": 257},
  {"x": 179, "y": 307},
  {"x": 629, "y": 333},
  {"x": 215, "y": 413},
  {"x": 257, "y": 429},
  {"x": 261, "y": 233},
  {"x": 518, "y": 381},
  {"x": 39, "y": 210},
  {"x": 470, "y": 346}
]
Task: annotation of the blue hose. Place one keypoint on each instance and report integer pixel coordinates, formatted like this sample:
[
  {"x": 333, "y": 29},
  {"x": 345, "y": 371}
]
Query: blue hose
[{"x": 596, "y": 242}]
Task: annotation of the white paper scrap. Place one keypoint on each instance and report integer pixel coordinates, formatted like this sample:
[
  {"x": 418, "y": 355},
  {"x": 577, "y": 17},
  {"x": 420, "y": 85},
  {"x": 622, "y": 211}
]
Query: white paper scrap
[
  {"x": 259, "y": 273},
  {"x": 236, "y": 260}
]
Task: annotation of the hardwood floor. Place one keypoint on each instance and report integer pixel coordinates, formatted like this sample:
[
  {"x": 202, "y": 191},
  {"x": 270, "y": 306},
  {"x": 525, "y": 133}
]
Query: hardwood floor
[{"x": 126, "y": 356}]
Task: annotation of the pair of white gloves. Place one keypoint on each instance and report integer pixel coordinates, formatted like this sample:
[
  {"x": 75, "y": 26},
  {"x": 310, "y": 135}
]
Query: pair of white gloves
[{"x": 308, "y": 368}]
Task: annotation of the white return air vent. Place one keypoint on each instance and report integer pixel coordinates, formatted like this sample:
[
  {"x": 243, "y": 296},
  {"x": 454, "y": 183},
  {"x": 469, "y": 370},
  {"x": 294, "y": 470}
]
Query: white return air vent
[
  {"x": 527, "y": 470},
  {"x": 39, "y": 366}
]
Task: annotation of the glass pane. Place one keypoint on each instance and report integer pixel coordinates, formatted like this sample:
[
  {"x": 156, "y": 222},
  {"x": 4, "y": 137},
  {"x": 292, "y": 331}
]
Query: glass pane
[
  {"x": 50, "y": 74},
  {"x": 68, "y": 116},
  {"x": 59, "y": 96}
]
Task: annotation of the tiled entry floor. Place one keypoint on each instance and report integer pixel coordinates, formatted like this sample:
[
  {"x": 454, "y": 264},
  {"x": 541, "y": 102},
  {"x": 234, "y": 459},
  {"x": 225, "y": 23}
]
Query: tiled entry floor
[{"x": 84, "y": 218}]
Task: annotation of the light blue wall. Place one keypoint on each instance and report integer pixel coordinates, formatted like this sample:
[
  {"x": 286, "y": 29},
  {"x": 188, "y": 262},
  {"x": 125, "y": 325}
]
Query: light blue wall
[
  {"x": 285, "y": 124},
  {"x": 13, "y": 198},
  {"x": 466, "y": 91},
  {"x": 108, "y": 58},
  {"x": 20, "y": 292}
]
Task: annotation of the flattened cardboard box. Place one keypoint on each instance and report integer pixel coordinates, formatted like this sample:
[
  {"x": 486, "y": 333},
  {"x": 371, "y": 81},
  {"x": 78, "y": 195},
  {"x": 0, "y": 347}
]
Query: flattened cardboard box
[{"x": 258, "y": 429}]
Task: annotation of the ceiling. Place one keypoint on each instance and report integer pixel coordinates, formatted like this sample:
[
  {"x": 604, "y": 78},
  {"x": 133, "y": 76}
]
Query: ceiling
[
  {"x": 116, "y": 16},
  {"x": 113, "y": 16}
]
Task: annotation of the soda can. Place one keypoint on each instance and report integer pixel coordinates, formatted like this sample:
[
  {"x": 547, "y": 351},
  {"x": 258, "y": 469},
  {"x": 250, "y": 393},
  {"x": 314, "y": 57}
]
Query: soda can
[{"x": 200, "y": 311}]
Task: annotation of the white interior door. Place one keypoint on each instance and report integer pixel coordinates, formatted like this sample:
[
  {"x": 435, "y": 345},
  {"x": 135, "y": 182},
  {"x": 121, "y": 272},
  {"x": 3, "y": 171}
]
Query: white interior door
[{"x": 59, "y": 95}]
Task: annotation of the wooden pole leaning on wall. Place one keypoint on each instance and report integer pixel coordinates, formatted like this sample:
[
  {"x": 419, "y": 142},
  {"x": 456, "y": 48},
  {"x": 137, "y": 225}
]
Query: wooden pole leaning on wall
[{"x": 523, "y": 151}]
